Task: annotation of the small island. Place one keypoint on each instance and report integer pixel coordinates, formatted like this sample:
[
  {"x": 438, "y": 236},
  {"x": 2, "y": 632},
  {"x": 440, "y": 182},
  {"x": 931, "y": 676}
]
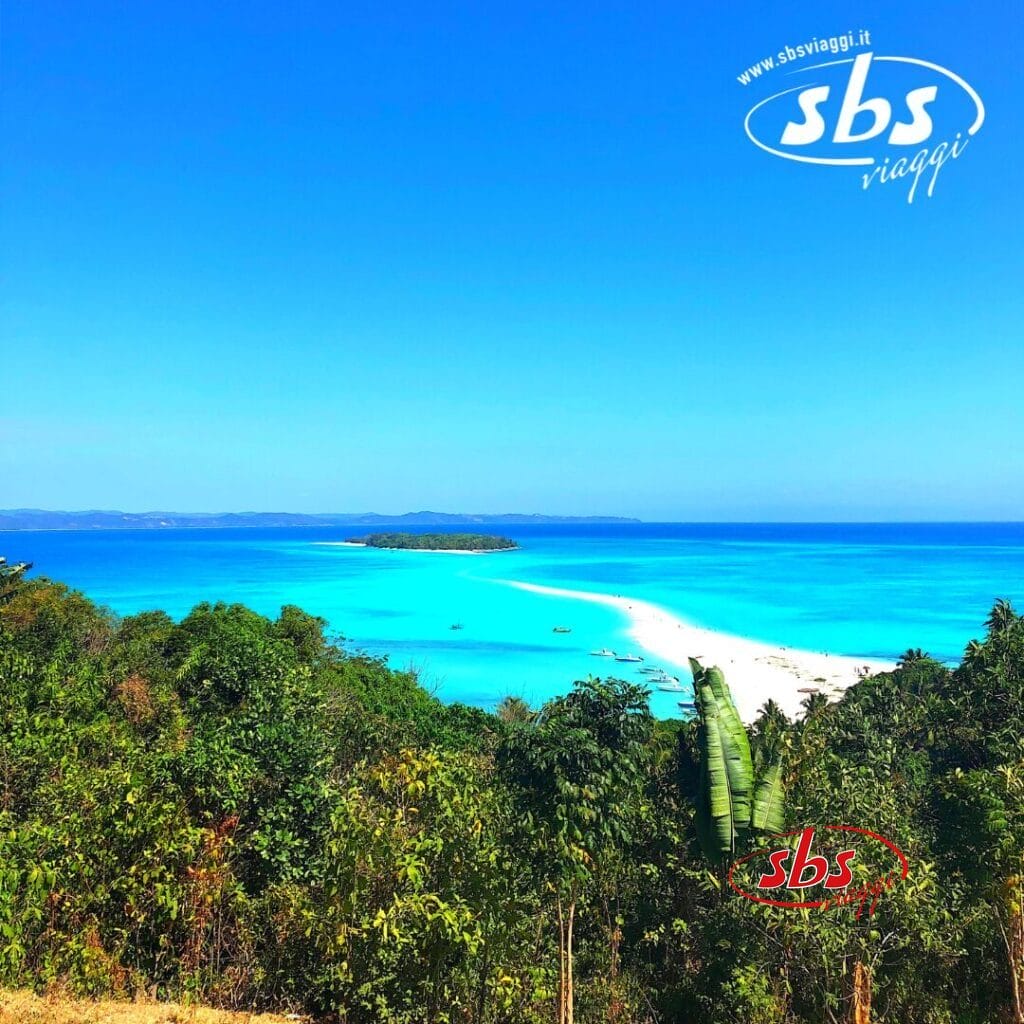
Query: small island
[{"x": 465, "y": 542}]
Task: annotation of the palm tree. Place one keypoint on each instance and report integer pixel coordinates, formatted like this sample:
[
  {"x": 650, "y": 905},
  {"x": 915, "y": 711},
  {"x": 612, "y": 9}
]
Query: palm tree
[
  {"x": 813, "y": 704},
  {"x": 1001, "y": 618},
  {"x": 910, "y": 656},
  {"x": 771, "y": 716},
  {"x": 974, "y": 654},
  {"x": 513, "y": 710},
  {"x": 768, "y": 735}
]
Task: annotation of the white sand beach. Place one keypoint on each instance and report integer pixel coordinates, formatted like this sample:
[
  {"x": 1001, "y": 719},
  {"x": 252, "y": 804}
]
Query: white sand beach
[{"x": 755, "y": 671}]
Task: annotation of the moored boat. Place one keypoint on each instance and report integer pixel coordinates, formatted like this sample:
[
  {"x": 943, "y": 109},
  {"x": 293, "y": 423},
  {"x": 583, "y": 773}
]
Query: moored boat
[{"x": 603, "y": 653}]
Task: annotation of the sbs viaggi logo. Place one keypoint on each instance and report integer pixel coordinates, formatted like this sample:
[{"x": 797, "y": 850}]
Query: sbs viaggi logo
[
  {"x": 854, "y": 868},
  {"x": 897, "y": 119}
]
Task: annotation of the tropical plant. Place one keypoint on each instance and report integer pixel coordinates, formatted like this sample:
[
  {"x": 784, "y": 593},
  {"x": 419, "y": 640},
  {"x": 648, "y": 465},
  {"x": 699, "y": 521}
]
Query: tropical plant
[
  {"x": 731, "y": 802},
  {"x": 911, "y": 656},
  {"x": 514, "y": 710}
]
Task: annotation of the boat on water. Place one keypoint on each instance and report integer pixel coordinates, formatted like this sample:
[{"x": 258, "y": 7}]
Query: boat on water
[
  {"x": 562, "y": 629},
  {"x": 688, "y": 705},
  {"x": 670, "y": 685},
  {"x": 603, "y": 653},
  {"x": 455, "y": 625},
  {"x": 650, "y": 670},
  {"x": 628, "y": 657}
]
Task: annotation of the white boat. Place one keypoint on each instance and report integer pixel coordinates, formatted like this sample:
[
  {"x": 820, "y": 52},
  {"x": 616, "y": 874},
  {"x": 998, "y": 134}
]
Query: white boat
[
  {"x": 671, "y": 685},
  {"x": 628, "y": 657},
  {"x": 603, "y": 653},
  {"x": 650, "y": 670}
]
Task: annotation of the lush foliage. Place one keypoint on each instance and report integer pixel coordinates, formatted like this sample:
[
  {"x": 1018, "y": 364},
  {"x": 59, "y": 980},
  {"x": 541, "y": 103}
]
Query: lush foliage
[
  {"x": 731, "y": 801},
  {"x": 10, "y": 576},
  {"x": 230, "y": 808},
  {"x": 437, "y": 541}
]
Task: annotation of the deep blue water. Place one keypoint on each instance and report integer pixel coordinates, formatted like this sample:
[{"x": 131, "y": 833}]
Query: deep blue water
[{"x": 869, "y": 589}]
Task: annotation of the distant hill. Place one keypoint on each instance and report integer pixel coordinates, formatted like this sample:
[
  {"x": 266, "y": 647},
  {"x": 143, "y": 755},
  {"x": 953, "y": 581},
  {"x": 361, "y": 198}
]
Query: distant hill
[{"x": 41, "y": 519}]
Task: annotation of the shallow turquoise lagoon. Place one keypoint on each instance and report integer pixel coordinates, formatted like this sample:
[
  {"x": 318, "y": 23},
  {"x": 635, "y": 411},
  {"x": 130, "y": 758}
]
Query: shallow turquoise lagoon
[{"x": 869, "y": 590}]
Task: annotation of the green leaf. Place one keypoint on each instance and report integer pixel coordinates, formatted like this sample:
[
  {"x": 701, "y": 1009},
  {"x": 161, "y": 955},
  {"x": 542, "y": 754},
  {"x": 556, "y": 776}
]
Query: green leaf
[
  {"x": 716, "y": 776},
  {"x": 736, "y": 747},
  {"x": 769, "y": 801}
]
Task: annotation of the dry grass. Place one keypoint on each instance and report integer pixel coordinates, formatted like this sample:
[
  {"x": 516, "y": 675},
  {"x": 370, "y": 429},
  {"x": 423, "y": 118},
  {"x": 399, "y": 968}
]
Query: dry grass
[{"x": 26, "y": 1008}]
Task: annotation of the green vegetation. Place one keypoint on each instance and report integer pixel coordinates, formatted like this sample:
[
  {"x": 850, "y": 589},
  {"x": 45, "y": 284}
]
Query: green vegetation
[
  {"x": 729, "y": 803},
  {"x": 437, "y": 541},
  {"x": 10, "y": 576},
  {"x": 231, "y": 809}
]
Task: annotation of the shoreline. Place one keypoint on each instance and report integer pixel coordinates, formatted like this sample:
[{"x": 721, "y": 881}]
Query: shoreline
[{"x": 755, "y": 671}]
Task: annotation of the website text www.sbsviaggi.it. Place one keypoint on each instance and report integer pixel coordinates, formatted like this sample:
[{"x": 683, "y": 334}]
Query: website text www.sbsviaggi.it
[
  {"x": 898, "y": 118},
  {"x": 833, "y": 44}
]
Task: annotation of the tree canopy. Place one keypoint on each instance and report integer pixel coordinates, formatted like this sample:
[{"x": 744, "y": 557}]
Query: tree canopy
[{"x": 437, "y": 541}]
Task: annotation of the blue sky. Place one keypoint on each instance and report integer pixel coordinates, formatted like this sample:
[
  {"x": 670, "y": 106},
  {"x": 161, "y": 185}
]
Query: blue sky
[{"x": 483, "y": 257}]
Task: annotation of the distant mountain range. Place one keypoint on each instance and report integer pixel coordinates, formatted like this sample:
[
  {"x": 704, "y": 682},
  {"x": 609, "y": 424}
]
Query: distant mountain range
[{"x": 40, "y": 519}]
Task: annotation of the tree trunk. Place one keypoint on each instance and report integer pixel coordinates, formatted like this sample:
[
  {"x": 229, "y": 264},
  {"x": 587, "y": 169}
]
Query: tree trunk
[
  {"x": 561, "y": 963},
  {"x": 614, "y": 941},
  {"x": 860, "y": 1000},
  {"x": 481, "y": 1001},
  {"x": 569, "y": 1014},
  {"x": 1015, "y": 946}
]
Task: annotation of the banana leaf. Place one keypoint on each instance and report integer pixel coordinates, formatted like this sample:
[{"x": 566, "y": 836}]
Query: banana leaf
[
  {"x": 736, "y": 748},
  {"x": 697, "y": 671},
  {"x": 719, "y": 793},
  {"x": 769, "y": 814}
]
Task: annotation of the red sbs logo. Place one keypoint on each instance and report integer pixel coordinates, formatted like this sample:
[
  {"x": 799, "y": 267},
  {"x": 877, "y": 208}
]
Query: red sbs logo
[{"x": 820, "y": 882}]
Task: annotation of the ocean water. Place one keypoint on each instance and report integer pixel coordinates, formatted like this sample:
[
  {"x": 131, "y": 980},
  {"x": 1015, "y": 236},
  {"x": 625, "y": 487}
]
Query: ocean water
[{"x": 865, "y": 590}]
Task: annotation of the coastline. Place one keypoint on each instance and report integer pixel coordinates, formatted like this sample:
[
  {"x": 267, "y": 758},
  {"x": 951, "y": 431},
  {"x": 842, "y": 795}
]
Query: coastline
[{"x": 755, "y": 671}]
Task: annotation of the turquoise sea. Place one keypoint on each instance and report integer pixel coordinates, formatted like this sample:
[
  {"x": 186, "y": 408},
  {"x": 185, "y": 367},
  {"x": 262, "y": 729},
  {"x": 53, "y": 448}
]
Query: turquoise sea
[{"x": 868, "y": 590}]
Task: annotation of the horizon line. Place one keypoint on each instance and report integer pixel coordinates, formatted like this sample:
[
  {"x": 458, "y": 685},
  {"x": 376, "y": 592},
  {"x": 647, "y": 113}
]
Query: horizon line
[{"x": 26, "y": 510}]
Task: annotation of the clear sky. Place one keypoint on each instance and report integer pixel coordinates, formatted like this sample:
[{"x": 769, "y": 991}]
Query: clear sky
[{"x": 495, "y": 257}]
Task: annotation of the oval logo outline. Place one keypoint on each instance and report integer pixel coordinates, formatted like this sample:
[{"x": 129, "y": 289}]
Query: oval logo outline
[
  {"x": 812, "y": 904},
  {"x": 971, "y": 92}
]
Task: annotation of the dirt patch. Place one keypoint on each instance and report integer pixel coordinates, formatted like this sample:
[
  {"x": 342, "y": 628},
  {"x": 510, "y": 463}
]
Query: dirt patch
[{"x": 27, "y": 1008}]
